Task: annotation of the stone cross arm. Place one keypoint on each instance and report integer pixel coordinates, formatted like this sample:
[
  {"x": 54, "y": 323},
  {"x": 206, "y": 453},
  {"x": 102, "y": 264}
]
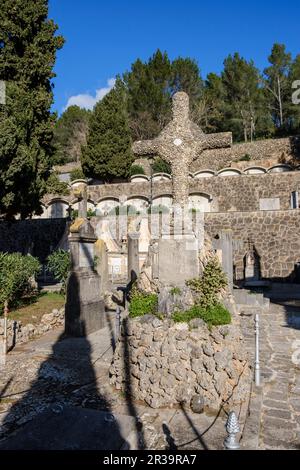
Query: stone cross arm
[
  {"x": 146, "y": 147},
  {"x": 217, "y": 141}
]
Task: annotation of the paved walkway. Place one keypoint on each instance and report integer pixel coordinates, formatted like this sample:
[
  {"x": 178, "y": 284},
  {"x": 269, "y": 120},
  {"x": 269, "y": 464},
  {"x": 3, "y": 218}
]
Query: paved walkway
[
  {"x": 280, "y": 345},
  {"x": 45, "y": 379},
  {"x": 279, "y": 407}
]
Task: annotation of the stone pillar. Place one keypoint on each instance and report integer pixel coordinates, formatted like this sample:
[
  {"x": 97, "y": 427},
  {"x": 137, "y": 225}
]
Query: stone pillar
[
  {"x": 102, "y": 264},
  {"x": 133, "y": 256},
  {"x": 85, "y": 309},
  {"x": 224, "y": 243}
]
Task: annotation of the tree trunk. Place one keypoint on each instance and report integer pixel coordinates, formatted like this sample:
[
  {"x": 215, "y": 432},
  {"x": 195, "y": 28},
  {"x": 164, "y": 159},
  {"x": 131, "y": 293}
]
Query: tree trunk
[{"x": 280, "y": 102}]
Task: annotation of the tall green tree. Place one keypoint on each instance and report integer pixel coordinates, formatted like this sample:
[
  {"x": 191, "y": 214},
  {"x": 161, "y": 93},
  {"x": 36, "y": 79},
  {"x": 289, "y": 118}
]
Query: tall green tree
[
  {"x": 28, "y": 46},
  {"x": 209, "y": 109},
  {"x": 277, "y": 84},
  {"x": 70, "y": 134},
  {"x": 294, "y": 109},
  {"x": 107, "y": 154},
  {"x": 245, "y": 109}
]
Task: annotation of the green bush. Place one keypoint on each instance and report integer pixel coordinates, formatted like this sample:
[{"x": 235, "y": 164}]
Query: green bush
[
  {"x": 137, "y": 170},
  {"x": 16, "y": 271},
  {"x": 161, "y": 166},
  {"x": 214, "y": 315},
  {"x": 59, "y": 264},
  {"x": 210, "y": 285},
  {"x": 77, "y": 174},
  {"x": 89, "y": 213},
  {"x": 57, "y": 187},
  {"x": 245, "y": 158},
  {"x": 142, "y": 304}
]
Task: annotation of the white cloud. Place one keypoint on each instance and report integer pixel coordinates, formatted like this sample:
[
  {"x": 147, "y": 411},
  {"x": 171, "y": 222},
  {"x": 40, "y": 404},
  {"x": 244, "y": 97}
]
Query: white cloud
[{"x": 87, "y": 100}]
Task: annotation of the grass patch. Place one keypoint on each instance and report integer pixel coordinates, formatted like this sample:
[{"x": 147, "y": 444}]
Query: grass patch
[
  {"x": 32, "y": 310},
  {"x": 213, "y": 316}
]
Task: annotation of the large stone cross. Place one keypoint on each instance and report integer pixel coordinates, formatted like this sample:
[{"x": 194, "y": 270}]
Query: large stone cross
[{"x": 179, "y": 143}]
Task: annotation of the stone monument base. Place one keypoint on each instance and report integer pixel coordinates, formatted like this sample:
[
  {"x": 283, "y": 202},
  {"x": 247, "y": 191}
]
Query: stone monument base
[
  {"x": 178, "y": 259},
  {"x": 85, "y": 308}
]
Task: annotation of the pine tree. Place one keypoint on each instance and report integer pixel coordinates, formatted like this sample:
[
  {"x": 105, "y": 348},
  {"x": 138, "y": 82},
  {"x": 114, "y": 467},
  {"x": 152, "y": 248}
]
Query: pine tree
[
  {"x": 244, "y": 110},
  {"x": 28, "y": 47},
  {"x": 107, "y": 154},
  {"x": 70, "y": 134},
  {"x": 277, "y": 84},
  {"x": 294, "y": 109}
]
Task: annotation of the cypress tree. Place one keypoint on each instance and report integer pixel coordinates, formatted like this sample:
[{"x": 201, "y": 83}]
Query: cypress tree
[
  {"x": 28, "y": 47},
  {"x": 107, "y": 154}
]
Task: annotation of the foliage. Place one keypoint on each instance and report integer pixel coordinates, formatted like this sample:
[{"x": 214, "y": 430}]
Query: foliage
[
  {"x": 16, "y": 271},
  {"x": 161, "y": 166},
  {"x": 108, "y": 154},
  {"x": 245, "y": 158},
  {"x": 77, "y": 174},
  {"x": 142, "y": 304},
  {"x": 214, "y": 315},
  {"x": 137, "y": 170},
  {"x": 210, "y": 285},
  {"x": 175, "y": 291},
  {"x": 28, "y": 46},
  {"x": 70, "y": 134},
  {"x": 59, "y": 264},
  {"x": 55, "y": 186},
  {"x": 89, "y": 213}
]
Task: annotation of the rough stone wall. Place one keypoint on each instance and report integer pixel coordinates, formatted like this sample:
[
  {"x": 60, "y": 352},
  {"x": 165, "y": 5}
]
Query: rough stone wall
[
  {"x": 229, "y": 193},
  {"x": 275, "y": 235},
  {"x": 37, "y": 236},
  {"x": 17, "y": 333},
  {"x": 164, "y": 364},
  {"x": 275, "y": 148}
]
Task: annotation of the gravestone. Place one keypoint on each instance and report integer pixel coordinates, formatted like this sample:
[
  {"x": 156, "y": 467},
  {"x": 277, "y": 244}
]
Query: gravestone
[
  {"x": 101, "y": 259},
  {"x": 133, "y": 256},
  {"x": 85, "y": 309}
]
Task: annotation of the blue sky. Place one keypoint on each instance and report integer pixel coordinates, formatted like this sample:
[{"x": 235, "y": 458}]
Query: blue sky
[{"x": 105, "y": 38}]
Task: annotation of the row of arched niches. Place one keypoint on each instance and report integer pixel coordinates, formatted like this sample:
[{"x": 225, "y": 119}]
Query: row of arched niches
[{"x": 59, "y": 207}]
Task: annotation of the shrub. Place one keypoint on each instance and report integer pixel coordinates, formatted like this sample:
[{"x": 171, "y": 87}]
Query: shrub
[
  {"x": 136, "y": 170},
  {"x": 161, "y": 166},
  {"x": 245, "y": 158},
  {"x": 89, "y": 213},
  {"x": 142, "y": 304},
  {"x": 77, "y": 174},
  {"x": 59, "y": 264},
  {"x": 16, "y": 272},
  {"x": 57, "y": 187},
  {"x": 214, "y": 315},
  {"x": 210, "y": 285}
]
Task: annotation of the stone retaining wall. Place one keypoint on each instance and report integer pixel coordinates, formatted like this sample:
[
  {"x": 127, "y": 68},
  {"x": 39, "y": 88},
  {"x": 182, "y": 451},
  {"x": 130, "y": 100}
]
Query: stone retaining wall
[
  {"x": 275, "y": 235},
  {"x": 165, "y": 364},
  {"x": 17, "y": 333}
]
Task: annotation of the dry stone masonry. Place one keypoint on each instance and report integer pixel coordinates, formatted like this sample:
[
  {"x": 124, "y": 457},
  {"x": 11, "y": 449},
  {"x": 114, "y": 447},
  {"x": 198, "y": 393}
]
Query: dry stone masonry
[{"x": 164, "y": 364}]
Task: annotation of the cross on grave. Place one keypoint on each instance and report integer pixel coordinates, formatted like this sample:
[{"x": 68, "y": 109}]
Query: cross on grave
[{"x": 179, "y": 143}]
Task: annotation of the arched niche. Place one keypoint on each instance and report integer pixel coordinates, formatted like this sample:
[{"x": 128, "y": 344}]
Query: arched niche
[
  {"x": 280, "y": 168},
  {"x": 200, "y": 202},
  {"x": 165, "y": 200},
  {"x": 161, "y": 177},
  {"x": 58, "y": 209},
  {"x": 140, "y": 203},
  {"x": 255, "y": 170},
  {"x": 229, "y": 172},
  {"x": 105, "y": 206},
  {"x": 139, "y": 179},
  {"x": 204, "y": 174}
]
